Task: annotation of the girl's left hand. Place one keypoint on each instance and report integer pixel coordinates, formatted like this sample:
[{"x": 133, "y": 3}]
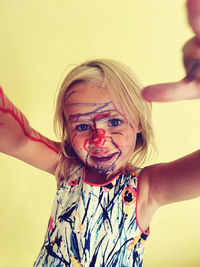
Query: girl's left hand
[{"x": 189, "y": 87}]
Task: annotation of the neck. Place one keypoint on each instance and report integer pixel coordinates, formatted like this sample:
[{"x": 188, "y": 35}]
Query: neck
[{"x": 95, "y": 177}]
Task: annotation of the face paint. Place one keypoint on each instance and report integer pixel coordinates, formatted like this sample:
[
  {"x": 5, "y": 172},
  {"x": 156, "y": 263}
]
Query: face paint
[
  {"x": 98, "y": 138},
  {"x": 7, "y": 107},
  {"x": 99, "y": 132}
]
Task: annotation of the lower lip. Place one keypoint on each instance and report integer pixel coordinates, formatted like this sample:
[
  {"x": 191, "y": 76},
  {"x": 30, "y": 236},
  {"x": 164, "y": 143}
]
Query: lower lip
[{"x": 103, "y": 160}]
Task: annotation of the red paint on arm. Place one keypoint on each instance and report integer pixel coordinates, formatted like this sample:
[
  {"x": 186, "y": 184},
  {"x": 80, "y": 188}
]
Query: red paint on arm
[
  {"x": 8, "y": 108},
  {"x": 2, "y": 98}
]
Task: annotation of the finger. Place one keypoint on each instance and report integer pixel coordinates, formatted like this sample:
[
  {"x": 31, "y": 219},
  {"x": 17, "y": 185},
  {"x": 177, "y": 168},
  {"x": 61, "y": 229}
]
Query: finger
[
  {"x": 183, "y": 89},
  {"x": 191, "y": 51},
  {"x": 193, "y": 8}
]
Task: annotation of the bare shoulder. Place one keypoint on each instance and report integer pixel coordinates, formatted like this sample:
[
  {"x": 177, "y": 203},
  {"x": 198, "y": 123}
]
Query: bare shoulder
[{"x": 73, "y": 171}]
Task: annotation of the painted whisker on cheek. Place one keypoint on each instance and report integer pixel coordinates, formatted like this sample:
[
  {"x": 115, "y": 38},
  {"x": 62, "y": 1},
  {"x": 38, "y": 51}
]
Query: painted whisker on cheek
[
  {"x": 85, "y": 145},
  {"x": 117, "y": 133},
  {"x": 73, "y": 137}
]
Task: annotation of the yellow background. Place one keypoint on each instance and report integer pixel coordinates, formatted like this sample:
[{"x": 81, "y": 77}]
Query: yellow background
[{"x": 38, "y": 40}]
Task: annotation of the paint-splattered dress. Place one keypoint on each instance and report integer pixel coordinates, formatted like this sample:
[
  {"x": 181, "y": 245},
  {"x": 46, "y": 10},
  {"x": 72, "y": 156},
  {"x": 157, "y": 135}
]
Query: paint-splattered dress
[{"x": 94, "y": 225}]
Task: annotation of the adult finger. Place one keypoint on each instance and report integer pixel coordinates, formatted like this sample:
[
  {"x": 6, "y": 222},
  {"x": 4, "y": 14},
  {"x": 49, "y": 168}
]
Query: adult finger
[
  {"x": 193, "y": 8},
  {"x": 167, "y": 92},
  {"x": 191, "y": 52}
]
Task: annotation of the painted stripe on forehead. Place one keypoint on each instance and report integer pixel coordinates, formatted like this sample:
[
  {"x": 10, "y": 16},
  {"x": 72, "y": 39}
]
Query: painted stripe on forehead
[
  {"x": 78, "y": 115},
  {"x": 68, "y": 96},
  {"x": 105, "y": 105},
  {"x": 91, "y": 105},
  {"x": 84, "y": 104},
  {"x": 95, "y": 111},
  {"x": 101, "y": 116}
]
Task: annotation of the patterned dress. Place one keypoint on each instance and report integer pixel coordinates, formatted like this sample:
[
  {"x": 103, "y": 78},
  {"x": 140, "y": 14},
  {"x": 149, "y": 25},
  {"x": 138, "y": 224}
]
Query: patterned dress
[{"x": 94, "y": 225}]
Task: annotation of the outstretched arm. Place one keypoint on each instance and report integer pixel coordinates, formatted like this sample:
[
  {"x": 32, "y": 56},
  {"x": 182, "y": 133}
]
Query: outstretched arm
[
  {"x": 19, "y": 140},
  {"x": 178, "y": 180},
  {"x": 188, "y": 87},
  {"x": 166, "y": 183},
  {"x": 175, "y": 181}
]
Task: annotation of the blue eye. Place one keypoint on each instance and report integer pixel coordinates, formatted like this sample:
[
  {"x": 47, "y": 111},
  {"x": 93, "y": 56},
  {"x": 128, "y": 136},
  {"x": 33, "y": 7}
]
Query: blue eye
[
  {"x": 115, "y": 122},
  {"x": 82, "y": 127}
]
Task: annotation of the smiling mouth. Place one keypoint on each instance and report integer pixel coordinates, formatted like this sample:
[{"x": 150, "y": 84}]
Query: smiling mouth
[{"x": 102, "y": 159}]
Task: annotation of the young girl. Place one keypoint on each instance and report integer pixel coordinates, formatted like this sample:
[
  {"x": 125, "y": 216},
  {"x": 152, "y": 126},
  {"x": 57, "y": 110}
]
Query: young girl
[{"x": 104, "y": 202}]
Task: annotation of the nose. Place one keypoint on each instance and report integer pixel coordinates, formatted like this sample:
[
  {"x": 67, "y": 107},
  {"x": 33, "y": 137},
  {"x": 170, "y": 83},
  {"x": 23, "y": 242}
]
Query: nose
[
  {"x": 98, "y": 138},
  {"x": 98, "y": 142}
]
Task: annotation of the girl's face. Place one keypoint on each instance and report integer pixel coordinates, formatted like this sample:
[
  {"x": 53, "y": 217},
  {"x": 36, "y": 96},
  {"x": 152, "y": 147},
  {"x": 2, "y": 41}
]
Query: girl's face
[{"x": 99, "y": 132}]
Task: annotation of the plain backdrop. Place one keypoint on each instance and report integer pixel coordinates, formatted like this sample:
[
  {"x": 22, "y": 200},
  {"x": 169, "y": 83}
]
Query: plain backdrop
[{"x": 39, "y": 41}]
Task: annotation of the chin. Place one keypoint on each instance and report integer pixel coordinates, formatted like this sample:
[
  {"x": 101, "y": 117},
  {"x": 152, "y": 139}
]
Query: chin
[{"x": 106, "y": 170}]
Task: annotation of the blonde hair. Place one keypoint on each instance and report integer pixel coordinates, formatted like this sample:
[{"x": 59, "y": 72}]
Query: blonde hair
[{"x": 123, "y": 85}]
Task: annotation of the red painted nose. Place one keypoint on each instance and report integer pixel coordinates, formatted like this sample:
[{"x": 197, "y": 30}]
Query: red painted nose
[{"x": 98, "y": 139}]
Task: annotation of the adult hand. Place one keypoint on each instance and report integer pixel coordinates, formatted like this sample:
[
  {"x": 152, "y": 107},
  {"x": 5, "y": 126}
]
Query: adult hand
[{"x": 189, "y": 87}]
